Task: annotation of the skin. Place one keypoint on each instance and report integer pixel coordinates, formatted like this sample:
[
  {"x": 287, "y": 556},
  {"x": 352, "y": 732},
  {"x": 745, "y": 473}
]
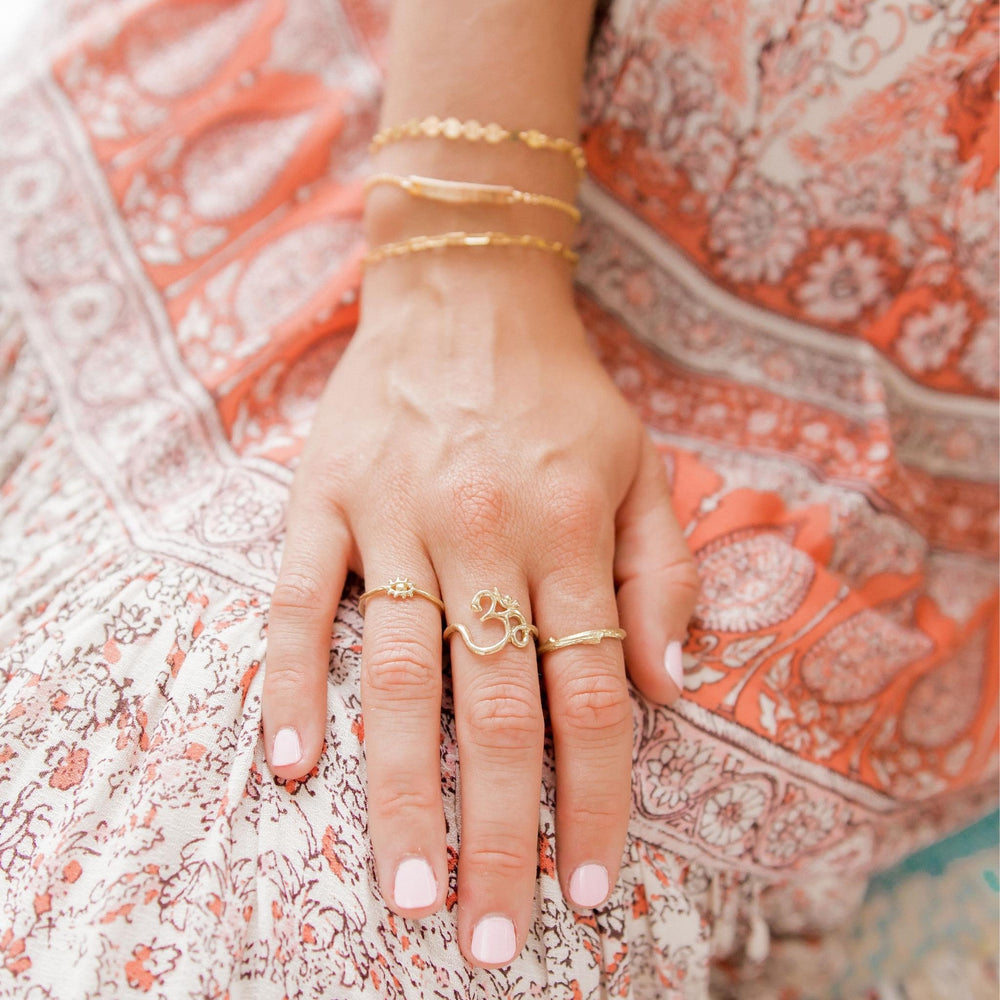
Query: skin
[{"x": 468, "y": 438}]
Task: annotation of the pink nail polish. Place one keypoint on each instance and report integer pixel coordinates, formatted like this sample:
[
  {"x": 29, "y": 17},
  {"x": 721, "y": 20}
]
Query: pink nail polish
[
  {"x": 415, "y": 886},
  {"x": 675, "y": 664},
  {"x": 287, "y": 749},
  {"x": 589, "y": 885},
  {"x": 494, "y": 941}
]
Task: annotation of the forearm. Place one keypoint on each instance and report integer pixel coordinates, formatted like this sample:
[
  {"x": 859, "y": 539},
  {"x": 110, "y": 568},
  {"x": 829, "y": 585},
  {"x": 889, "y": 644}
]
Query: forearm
[
  {"x": 515, "y": 62},
  {"x": 512, "y": 61}
]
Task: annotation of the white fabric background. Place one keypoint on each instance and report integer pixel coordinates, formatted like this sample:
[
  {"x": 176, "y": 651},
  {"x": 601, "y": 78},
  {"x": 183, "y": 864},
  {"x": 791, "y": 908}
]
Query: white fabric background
[{"x": 14, "y": 15}]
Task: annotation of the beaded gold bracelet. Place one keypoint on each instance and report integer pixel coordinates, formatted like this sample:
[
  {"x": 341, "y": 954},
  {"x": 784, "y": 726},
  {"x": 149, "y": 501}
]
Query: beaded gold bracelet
[
  {"x": 467, "y": 192},
  {"x": 416, "y": 244},
  {"x": 451, "y": 128}
]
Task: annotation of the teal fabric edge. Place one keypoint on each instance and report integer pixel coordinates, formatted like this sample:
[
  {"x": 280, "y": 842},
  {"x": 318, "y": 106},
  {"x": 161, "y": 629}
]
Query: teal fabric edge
[{"x": 983, "y": 835}]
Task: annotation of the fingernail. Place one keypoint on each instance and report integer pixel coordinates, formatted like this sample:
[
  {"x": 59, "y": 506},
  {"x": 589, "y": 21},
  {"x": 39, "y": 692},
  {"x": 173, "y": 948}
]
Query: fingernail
[
  {"x": 494, "y": 941},
  {"x": 415, "y": 885},
  {"x": 674, "y": 663},
  {"x": 286, "y": 749},
  {"x": 589, "y": 885}
]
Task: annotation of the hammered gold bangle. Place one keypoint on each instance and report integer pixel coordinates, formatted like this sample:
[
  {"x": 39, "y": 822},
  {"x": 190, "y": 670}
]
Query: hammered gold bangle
[
  {"x": 416, "y": 244},
  {"x": 468, "y": 192},
  {"x": 451, "y": 128}
]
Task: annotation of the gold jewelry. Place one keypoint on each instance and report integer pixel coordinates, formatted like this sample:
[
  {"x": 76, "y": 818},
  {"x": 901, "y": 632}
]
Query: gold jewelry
[
  {"x": 517, "y": 631},
  {"x": 463, "y": 192},
  {"x": 415, "y": 244},
  {"x": 451, "y": 128},
  {"x": 400, "y": 589},
  {"x": 591, "y": 638}
]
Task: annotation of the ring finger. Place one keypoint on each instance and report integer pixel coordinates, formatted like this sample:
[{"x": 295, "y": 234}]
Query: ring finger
[{"x": 591, "y": 715}]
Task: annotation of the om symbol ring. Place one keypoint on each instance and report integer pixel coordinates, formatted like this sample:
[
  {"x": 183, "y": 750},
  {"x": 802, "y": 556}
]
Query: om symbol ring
[{"x": 501, "y": 608}]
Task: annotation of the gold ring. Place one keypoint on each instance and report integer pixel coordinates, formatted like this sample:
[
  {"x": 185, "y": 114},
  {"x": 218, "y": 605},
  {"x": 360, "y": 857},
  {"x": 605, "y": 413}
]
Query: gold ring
[
  {"x": 590, "y": 638},
  {"x": 401, "y": 589},
  {"x": 501, "y": 608}
]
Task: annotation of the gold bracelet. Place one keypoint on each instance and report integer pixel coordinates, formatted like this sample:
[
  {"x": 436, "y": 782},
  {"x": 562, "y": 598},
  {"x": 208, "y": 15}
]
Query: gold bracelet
[
  {"x": 415, "y": 244},
  {"x": 467, "y": 192},
  {"x": 451, "y": 128}
]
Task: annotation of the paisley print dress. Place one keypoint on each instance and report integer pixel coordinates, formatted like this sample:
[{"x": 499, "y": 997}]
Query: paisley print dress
[{"x": 788, "y": 265}]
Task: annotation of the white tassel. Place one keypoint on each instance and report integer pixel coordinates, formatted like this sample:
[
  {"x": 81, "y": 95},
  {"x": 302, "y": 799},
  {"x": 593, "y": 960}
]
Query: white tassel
[
  {"x": 723, "y": 929},
  {"x": 759, "y": 941}
]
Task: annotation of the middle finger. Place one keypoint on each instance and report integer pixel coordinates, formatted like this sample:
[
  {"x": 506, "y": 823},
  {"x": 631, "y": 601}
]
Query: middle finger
[{"x": 500, "y": 730}]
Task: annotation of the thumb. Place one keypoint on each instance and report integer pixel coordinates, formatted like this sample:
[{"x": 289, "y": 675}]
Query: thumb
[{"x": 657, "y": 581}]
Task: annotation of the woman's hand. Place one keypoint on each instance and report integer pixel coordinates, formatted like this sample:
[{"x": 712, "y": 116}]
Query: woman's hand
[{"x": 468, "y": 439}]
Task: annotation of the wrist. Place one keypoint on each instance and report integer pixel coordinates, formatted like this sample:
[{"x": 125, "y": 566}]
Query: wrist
[
  {"x": 454, "y": 274},
  {"x": 524, "y": 291},
  {"x": 544, "y": 170},
  {"x": 393, "y": 214},
  {"x": 467, "y": 279}
]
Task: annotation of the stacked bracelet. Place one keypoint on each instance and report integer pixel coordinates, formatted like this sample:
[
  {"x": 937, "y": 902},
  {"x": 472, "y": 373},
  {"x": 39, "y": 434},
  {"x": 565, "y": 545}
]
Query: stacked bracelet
[
  {"x": 469, "y": 192},
  {"x": 415, "y": 244},
  {"x": 451, "y": 128}
]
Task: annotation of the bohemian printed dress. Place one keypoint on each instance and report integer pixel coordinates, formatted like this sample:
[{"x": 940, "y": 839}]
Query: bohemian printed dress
[{"x": 789, "y": 267}]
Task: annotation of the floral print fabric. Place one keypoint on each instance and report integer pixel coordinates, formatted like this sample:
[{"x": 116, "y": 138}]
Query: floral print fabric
[{"x": 789, "y": 258}]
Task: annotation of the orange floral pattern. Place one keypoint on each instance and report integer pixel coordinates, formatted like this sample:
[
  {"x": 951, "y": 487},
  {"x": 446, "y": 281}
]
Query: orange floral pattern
[{"x": 789, "y": 264}]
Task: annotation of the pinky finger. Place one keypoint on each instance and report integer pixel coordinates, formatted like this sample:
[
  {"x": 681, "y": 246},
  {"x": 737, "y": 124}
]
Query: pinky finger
[
  {"x": 303, "y": 605},
  {"x": 657, "y": 581}
]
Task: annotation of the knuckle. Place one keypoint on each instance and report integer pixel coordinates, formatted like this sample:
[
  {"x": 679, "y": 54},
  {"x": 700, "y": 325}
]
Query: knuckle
[
  {"x": 481, "y": 507},
  {"x": 288, "y": 680},
  {"x": 332, "y": 475},
  {"x": 297, "y": 594},
  {"x": 398, "y": 799},
  {"x": 597, "y": 704},
  {"x": 508, "y": 717},
  {"x": 685, "y": 577},
  {"x": 594, "y": 811},
  {"x": 399, "y": 665},
  {"x": 578, "y": 522},
  {"x": 317, "y": 491},
  {"x": 498, "y": 861},
  {"x": 578, "y": 511}
]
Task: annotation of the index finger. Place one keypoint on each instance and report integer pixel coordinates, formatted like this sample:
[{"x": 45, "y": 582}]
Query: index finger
[
  {"x": 300, "y": 621},
  {"x": 401, "y": 704}
]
